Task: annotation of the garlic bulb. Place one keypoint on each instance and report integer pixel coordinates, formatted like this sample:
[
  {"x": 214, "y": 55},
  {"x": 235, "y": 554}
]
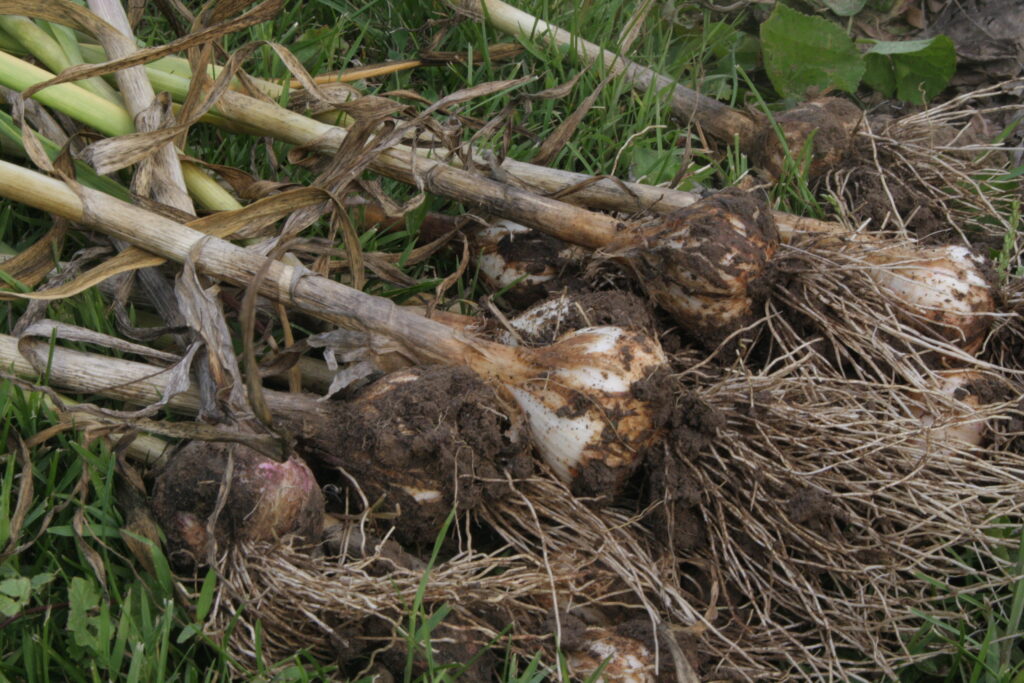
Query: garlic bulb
[
  {"x": 829, "y": 123},
  {"x": 706, "y": 264},
  {"x": 546, "y": 321},
  {"x": 265, "y": 500},
  {"x": 585, "y": 420},
  {"x": 945, "y": 285},
  {"x": 628, "y": 660},
  {"x": 512, "y": 254},
  {"x": 951, "y": 424}
]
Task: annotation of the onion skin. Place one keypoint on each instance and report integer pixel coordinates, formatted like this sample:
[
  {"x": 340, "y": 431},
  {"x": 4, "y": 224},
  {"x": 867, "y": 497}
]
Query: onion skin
[
  {"x": 629, "y": 660},
  {"x": 948, "y": 286},
  {"x": 707, "y": 264},
  {"x": 831, "y": 120},
  {"x": 583, "y": 416},
  {"x": 266, "y": 500}
]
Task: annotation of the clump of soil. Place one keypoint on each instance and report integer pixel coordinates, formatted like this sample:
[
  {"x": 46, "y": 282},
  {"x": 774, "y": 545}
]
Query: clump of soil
[
  {"x": 692, "y": 425},
  {"x": 262, "y": 500},
  {"x": 831, "y": 121},
  {"x": 414, "y": 444}
]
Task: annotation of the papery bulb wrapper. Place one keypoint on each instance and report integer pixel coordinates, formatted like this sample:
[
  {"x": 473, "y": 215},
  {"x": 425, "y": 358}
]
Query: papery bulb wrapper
[
  {"x": 583, "y": 416},
  {"x": 950, "y": 425},
  {"x": 944, "y": 285},
  {"x": 628, "y": 660}
]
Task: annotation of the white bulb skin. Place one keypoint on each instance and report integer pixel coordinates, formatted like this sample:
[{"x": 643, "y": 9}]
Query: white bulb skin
[
  {"x": 945, "y": 285},
  {"x": 583, "y": 413},
  {"x": 946, "y": 427}
]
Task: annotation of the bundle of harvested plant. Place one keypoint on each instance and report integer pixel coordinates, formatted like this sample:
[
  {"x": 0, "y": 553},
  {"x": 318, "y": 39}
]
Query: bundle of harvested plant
[
  {"x": 353, "y": 598},
  {"x": 576, "y": 394},
  {"x": 830, "y": 523}
]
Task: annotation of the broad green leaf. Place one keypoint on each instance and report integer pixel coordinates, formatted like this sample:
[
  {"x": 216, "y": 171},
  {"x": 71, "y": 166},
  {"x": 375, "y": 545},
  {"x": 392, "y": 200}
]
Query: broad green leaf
[
  {"x": 14, "y": 594},
  {"x": 845, "y": 8},
  {"x": 879, "y": 74},
  {"x": 82, "y": 597},
  {"x": 912, "y": 70},
  {"x": 803, "y": 52}
]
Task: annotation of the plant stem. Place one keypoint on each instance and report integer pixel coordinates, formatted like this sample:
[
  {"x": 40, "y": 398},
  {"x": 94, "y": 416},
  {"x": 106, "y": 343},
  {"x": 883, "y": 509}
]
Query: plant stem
[{"x": 422, "y": 339}]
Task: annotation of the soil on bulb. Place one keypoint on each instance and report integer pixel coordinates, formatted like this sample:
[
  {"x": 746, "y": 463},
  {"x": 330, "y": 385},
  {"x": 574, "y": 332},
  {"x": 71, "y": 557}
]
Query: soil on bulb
[{"x": 416, "y": 446}]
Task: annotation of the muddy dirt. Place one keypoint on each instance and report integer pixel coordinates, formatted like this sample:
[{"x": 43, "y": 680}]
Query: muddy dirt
[
  {"x": 692, "y": 425},
  {"x": 265, "y": 500},
  {"x": 414, "y": 444}
]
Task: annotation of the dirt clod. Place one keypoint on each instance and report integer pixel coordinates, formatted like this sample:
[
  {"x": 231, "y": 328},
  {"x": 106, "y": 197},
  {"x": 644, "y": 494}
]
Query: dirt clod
[{"x": 414, "y": 444}]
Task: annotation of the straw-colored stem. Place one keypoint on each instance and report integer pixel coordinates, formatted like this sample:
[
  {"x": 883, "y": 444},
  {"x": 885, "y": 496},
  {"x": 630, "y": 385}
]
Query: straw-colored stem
[
  {"x": 720, "y": 120},
  {"x": 422, "y": 339}
]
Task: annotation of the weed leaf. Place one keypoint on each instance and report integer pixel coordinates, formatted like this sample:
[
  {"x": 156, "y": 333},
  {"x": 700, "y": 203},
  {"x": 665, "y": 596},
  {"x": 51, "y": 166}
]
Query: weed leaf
[{"x": 803, "y": 52}]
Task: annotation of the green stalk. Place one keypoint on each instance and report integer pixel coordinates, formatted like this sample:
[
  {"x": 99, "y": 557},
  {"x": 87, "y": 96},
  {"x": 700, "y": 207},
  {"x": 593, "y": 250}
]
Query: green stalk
[
  {"x": 66, "y": 38},
  {"x": 49, "y": 51},
  {"x": 69, "y": 98},
  {"x": 9, "y": 44},
  {"x": 104, "y": 116},
  {"x": 84, "y": 173}
]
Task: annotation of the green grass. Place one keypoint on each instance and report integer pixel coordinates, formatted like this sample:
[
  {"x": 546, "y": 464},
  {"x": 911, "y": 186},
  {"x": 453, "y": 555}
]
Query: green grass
[{"x": 60, "y": 619}]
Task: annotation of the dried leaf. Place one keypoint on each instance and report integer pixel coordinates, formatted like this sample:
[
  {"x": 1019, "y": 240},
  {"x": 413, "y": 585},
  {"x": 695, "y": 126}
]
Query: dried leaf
[
  {"x": 202, "y": 310},
  {"x": 32, "y": 264},
  {"x": 25, "y": 492},
  {"x": 53, "y": 329}
]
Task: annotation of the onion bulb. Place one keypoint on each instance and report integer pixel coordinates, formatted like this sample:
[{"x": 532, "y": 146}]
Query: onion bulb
[
  {"x": 511, "y": 255},
  {"x": 266, "y": 500},
  {"x": 584, "y": 416},
  {"x": 706, "y": 264},
  {"x": 628, "y": 660},
  {"x": 546, "y": 321},
  {"x": 417, "y": 441}
]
